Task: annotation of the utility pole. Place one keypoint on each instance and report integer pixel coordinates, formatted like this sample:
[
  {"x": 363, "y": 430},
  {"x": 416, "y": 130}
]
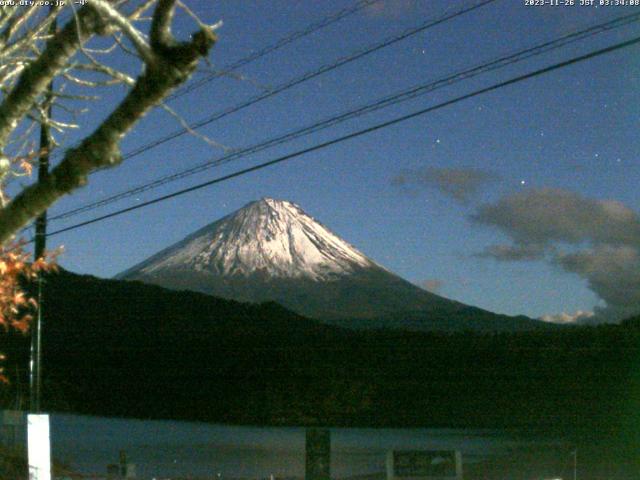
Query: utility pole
[
  {"x": 35, "y": 376},
  {"x": 35, "y": 364}
]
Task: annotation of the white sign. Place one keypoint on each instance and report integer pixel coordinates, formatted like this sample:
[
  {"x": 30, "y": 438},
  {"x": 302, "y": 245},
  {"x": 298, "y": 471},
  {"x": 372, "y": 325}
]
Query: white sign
[{"x": 38, "y": 447}]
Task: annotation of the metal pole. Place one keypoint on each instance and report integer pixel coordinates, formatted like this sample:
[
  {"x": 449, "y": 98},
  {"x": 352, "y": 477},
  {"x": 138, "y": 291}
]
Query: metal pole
[
  {"x": 35, "y": 364},
  {"x": 35, "y": 380}
]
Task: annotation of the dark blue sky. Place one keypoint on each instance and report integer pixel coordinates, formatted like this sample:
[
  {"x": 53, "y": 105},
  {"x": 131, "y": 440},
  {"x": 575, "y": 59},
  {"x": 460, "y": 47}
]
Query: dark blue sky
[{"x": 545, "y": 171}]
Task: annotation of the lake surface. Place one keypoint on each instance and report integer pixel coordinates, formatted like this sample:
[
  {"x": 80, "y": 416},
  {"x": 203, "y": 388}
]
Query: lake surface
[{"x": 170, "y": 449}]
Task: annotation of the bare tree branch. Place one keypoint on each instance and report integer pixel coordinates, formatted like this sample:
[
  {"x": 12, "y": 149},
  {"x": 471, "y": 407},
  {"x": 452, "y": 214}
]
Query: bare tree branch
[
  {"x": 184, "y": 124},
  {"x": 37, "y": 75},
  {"x": 116, "y": 75},
  {"x": 138, "y": 12},
  {"x": 114, "y": 16},
  {"x": 161, "y": 36},
  {"x": 168, "y": 65}
]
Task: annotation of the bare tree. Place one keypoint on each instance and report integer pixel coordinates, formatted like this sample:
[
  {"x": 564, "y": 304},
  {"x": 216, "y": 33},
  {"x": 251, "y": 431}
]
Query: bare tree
[{"x": 30, "y": 59}]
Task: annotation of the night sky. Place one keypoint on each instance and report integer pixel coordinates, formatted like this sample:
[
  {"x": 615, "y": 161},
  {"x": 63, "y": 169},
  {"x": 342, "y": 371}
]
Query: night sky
[{"x": 520, "y": 201}]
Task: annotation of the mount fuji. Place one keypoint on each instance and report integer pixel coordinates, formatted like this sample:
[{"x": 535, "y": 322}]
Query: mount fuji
[{"x": 271, "y": 250}]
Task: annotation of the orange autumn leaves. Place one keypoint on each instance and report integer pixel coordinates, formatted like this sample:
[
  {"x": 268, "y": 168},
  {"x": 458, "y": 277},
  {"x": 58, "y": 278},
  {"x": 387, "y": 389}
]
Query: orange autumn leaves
[{"x": 17, "y": 307}]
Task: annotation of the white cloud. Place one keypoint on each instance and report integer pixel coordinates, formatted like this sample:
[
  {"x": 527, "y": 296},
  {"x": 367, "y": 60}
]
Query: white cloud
[
  {"x": 550, "y": 214},
  {"x": 564, "y": 318},
  {"x": 613, "y": 273},
  {"x": 602, "y": 238}
]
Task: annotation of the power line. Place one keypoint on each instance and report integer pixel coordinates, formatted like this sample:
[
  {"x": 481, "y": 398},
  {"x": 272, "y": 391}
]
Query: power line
[
  {"x": 308, "y": 76},
  {"x": 402, "y": 96},
  {"x": 314, "y": 27},
  {"x": 356, "y": 134}
]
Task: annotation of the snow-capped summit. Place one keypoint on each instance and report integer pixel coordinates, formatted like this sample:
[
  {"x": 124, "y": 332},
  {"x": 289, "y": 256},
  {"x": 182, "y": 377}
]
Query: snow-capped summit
[
  {"x": 273, "y": 237},
  {"x": 271, "y": 250}
]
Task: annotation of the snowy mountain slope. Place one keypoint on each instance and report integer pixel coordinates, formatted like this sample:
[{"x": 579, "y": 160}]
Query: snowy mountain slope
[
  {"x": 270, "y": 236},
  {"x": 271, "y": 250}
]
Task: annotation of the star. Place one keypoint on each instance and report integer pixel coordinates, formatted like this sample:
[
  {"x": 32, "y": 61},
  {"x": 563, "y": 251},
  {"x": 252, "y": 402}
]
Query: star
[
  {"x": 522, "y": 182},
  {"x": 437, "y": 140},
  {"x": 596, "y": 155}
]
